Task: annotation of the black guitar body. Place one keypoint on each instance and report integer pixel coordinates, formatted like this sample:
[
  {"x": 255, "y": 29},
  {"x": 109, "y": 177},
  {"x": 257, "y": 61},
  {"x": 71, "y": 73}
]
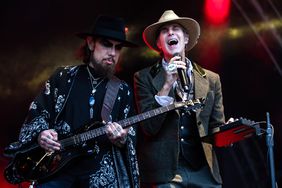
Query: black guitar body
[{"x": 34, "y": 164}]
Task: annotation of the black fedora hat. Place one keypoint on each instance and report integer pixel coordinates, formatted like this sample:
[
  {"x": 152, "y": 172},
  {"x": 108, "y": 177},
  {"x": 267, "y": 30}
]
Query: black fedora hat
[{"x": 108, "y": 27}]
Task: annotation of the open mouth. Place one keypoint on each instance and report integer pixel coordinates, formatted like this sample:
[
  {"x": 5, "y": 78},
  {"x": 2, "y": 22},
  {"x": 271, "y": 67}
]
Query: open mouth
[{"x": 172, "y": 42}]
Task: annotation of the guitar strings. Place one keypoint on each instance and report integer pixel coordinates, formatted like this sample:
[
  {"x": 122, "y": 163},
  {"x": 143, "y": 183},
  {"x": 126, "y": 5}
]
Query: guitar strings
[
  {"x": 134, "y": 119},
  {"x": 79, "y": 138}
]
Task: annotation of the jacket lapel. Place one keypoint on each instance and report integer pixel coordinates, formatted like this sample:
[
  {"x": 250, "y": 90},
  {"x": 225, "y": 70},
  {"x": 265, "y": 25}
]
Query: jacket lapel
[
  {"x": 201, "y": 89},
  {"x": 201, "y": 85}
]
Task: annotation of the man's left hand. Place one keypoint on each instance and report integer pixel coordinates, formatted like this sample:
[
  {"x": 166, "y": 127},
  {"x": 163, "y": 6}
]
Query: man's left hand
[{"x": 116, "y": 134}]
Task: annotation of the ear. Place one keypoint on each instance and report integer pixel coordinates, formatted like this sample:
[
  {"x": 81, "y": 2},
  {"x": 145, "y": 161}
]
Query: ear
[
  {"x": 186, "y": 39},
  {"x": 90, "y": 43}
]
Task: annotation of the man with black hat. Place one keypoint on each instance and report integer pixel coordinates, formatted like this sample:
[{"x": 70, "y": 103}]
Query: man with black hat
[
  {"x": 75, "y": 95},
  {"x": 170, "y": 152}
]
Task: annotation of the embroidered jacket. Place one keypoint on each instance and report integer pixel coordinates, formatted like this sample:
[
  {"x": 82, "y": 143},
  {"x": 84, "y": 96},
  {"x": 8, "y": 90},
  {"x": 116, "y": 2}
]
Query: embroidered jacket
[{"x": 45, "y": 112}]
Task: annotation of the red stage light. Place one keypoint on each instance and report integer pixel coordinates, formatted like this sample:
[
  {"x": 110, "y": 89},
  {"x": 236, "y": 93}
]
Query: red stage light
[{"x": 217, "y": 11}]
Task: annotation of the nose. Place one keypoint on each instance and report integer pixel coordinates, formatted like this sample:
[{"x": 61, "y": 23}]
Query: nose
[
  {"x": 170, "y": 31},
  {"x": 112, "y": 50}
]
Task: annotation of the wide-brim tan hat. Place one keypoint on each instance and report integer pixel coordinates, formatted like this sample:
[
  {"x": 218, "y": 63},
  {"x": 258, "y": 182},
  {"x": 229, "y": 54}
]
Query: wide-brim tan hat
[{"x": 189, "y": 24}]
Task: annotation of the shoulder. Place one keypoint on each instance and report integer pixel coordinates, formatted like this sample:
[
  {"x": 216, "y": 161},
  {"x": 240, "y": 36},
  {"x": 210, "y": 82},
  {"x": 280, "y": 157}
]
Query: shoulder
[
  {"x": 67, "y": 70},
  {"x": 145, "y": 70},
  {"x": 123, "y": 85},
  {"x": 212, "y": 75},
  {"x": 152, "y": 70},
  {"x": 64, "y": 73},
  {"x": 205, "y": 72}
]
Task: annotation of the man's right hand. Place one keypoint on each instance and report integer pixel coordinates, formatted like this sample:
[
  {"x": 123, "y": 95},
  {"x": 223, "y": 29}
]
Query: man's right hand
[{"x": 48, "y": 140}]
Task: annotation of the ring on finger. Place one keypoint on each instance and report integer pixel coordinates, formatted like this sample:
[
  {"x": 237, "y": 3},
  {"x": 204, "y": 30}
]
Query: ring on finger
[
  {"x": 171, "y": 67},
  {"x": 115, "y": 132}
]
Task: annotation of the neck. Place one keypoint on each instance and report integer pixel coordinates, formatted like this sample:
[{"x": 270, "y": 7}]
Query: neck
[
  {"x": 94, "y": 73},
  {"x": 167, "y": 57}
]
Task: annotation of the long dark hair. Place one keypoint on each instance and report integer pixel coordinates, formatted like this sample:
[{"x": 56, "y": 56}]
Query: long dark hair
[{"x": 84, "y": 53}]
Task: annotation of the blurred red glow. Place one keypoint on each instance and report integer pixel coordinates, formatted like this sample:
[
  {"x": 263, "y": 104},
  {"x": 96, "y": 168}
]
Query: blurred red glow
[
  {"x": 217, "y": 11},
  {"x": 4, "y": 183}
]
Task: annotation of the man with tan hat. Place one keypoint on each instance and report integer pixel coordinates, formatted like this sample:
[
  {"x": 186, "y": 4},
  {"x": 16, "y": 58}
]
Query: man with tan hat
[{"x": 170, "y": 152}]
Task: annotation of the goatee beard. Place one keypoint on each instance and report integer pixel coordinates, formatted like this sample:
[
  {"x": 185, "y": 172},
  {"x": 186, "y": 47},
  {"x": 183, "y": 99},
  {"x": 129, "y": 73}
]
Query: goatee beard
[{"x": 103, "y": 70}]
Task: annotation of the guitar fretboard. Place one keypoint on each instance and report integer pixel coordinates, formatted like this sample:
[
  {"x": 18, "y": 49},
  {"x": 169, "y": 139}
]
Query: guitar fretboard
[
  {"x": 146, "y": 115},
  {"x": 82, "y": 137},
  {"x": 91, "y": 134}
]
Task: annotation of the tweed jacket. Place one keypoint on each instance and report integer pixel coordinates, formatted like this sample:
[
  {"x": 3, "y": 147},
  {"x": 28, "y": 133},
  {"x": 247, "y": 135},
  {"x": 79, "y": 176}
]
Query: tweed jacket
[{"x": 158, "y": 147}]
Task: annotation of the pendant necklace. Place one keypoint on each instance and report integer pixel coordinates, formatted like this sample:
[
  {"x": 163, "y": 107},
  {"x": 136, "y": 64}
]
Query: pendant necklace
[{"x": 94, "y": 85}]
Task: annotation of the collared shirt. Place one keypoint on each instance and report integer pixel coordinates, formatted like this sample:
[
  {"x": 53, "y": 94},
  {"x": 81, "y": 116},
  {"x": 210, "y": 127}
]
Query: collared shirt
[{"x": 166, "y": 100}]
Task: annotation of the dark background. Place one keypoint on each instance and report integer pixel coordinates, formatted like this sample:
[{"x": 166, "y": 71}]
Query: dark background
[{"x": 38, "y": 36}]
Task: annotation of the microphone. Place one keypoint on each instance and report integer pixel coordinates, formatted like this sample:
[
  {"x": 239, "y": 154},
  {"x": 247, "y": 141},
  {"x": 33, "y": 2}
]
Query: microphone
[{"x": 184, "y": 80}]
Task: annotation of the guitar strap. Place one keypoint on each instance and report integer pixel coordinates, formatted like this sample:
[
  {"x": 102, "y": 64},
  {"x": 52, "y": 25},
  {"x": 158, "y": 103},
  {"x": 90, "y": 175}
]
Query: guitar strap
[
  {"x": 110, "y": 97},
  {"x": 109, "y": 101}
]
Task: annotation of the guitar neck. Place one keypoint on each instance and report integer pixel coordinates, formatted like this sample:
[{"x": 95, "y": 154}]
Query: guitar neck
[
  {"x": 146, "y": 115},
  {"x": 91, "y": 134}
]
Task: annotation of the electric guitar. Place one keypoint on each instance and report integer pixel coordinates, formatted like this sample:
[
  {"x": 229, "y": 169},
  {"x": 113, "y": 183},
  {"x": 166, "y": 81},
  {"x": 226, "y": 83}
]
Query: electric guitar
[{"x": 35, "y": 164}]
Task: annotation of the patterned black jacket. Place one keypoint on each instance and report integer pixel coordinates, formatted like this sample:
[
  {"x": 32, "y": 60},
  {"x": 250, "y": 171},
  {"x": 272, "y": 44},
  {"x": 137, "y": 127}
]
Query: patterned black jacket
[{"x": 45, "y": 112}]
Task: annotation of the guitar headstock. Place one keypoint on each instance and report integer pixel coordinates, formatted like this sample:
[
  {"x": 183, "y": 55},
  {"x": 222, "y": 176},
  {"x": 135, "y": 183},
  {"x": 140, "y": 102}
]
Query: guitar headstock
[{"x": 191, "y": 104}]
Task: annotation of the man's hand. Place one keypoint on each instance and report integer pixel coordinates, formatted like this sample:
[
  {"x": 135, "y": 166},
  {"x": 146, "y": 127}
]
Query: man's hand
[
  {"x": 116, "y": 134},
  {"x": 171, "y": 74},
  {"x": 48, "y": 140}
]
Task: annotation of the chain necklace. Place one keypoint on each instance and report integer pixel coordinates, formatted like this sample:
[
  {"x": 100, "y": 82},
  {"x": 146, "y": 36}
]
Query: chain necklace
[
  {"x": 94, "y": 80},
  {"x": 94, "y": 85}
]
